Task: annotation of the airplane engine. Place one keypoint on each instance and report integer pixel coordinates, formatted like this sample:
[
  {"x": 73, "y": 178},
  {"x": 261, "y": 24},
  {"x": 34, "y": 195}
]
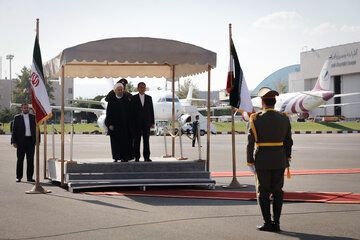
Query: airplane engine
[{"x": 185, "y": 118}]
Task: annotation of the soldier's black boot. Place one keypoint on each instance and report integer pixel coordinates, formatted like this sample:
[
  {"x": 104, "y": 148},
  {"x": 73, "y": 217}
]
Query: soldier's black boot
[
  {"x": 265, "y": 211},
  {"x": 277, "y": 206}
]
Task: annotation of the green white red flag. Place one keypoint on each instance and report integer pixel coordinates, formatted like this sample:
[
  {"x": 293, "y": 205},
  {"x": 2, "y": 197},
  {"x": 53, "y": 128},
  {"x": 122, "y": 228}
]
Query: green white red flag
[
  {"x": 39, "y": 97},
  {"x": 236, "y": 85}
]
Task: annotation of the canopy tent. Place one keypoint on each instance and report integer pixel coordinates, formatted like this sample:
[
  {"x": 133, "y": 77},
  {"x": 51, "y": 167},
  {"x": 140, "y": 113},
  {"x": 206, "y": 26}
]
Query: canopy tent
[{"x": 132, "y": 57}]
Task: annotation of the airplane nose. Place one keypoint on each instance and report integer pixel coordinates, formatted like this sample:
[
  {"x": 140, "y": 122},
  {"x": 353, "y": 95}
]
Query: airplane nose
[{"x": 327, "y": 95}]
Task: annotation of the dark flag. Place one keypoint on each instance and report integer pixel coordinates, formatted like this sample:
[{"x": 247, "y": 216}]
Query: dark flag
[
  {"x": 39, "y": 97},
  {"x": 236, "y": 85}
]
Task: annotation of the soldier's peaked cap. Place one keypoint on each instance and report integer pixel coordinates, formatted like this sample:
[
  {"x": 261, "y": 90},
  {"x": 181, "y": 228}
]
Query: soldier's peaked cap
[
  {"x": 266, "y": 92},
  {"x": 123, "y": 81}
]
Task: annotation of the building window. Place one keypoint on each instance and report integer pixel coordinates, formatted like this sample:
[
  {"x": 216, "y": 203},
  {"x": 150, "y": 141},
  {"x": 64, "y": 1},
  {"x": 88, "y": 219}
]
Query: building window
[{"x": 70, "y": 90}]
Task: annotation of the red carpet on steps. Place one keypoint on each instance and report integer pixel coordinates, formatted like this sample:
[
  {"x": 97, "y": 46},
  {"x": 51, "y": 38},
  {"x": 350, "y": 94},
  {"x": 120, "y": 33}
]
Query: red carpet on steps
[{"x": 321, "y": 197}]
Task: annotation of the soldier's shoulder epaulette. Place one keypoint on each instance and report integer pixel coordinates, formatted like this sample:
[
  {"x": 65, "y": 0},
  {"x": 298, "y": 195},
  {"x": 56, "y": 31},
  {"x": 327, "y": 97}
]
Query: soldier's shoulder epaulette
[
  {"x": 254, "y": 115},
  {"x": 285, "y": 114}
]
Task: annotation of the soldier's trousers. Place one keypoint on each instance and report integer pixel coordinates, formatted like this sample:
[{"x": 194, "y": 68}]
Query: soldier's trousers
[{"x": 270, "y": 182}]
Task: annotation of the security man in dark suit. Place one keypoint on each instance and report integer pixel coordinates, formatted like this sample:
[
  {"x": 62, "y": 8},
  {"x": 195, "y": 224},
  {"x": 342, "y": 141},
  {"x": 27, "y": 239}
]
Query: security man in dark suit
[
  {"x": 111, "y": 94},
  {"x": 143, "y": 120},
  {"x": 195, "y": 126},
  {"x": 270, "y": 131},
  {"x": 23, "y": 139}
]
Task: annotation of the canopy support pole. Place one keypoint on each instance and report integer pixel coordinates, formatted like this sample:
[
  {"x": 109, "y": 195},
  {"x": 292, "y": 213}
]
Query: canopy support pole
[
  {"x": 45, "y": 138},
  {"x": 208, "y": 123},
  {"x": 62, "y": 125},
  {"x": 173, "y": 112}
]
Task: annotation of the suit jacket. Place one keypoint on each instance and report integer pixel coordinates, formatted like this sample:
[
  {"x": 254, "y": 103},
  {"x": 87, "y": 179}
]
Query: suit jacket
[
  {"x": 143, "y": 116},
  {"x": 270, "y": 127},
  {"x": 18, "y": 129},
  {"x": 195, "y": 125}
]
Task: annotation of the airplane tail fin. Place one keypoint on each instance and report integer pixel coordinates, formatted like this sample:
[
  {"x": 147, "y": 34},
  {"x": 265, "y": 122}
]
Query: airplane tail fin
[
  {"x": 189, "y": 95},
  {"x": 323, "y": 81}
]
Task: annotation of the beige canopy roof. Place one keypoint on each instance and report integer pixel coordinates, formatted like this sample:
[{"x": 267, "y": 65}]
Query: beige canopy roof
[{"x": 131, "y": 57}]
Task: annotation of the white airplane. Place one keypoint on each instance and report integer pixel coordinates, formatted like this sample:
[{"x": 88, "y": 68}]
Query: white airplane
[
  {"x": 301, "y": 103},
  {"x": 162, "y": 102}
]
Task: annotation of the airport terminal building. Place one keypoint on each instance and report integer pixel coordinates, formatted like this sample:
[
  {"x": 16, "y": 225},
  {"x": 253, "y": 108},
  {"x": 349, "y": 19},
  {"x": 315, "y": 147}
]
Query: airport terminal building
[
  {"x": 345, "y": 78},
  {"x": 344, "y": 72}
]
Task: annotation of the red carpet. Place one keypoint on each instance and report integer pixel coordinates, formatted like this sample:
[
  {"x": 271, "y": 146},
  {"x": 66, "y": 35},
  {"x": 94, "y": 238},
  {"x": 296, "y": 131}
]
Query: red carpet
[
  {"x": 233, "y": 195},
  {"x": 293, "y": 172}
]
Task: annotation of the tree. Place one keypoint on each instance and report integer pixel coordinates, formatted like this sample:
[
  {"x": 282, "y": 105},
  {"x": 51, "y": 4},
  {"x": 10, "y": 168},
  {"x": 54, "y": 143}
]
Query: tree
[
  {"x": 184, "y": 89},
  {"x": 130, "y": 87},
  {"x": 22, "y": 93},
  {"x": 7, "y": 115},
  {"x": 280, "y": 86}
]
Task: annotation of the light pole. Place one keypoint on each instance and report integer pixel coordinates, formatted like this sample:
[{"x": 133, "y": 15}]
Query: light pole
[{"x": 10, "y": 57}]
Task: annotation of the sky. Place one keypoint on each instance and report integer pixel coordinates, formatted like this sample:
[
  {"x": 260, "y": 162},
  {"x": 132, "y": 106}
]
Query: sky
[{"x": 268, "y": 35}]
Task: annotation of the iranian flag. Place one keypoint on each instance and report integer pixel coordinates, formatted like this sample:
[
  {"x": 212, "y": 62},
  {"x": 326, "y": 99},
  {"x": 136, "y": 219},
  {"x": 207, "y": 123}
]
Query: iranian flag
[
  {"x": 236, "y": 86},
  {"x": 39, "y": 97}
]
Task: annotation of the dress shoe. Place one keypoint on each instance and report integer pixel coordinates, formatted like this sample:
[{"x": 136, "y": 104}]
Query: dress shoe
[
  {"x": 148, "y": 160},
  {"x": 266, "y": 227},
  {"x": 276, "y": 227},
  {"x": 115, "y": 160},
  {"x": 31, "y": 180},
  {"x": 18, "y": 180}
]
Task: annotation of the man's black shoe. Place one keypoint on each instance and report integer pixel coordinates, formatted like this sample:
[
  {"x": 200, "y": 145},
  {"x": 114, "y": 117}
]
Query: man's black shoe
[
  {"x": 31, "y": 180},
  {"x": 115, "y": 160},
  {"x": 18, "y": 180},
  {"x": 148, "y": 160},
  {"x": 266, "y": 227},
  {"x": 276, "y": 227}
]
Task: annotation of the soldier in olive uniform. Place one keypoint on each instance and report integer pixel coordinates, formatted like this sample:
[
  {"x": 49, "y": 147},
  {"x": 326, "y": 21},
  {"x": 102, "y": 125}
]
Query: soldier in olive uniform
[
  {"x": 111, "y": 94},
  {"x": 270, "y": 131}
]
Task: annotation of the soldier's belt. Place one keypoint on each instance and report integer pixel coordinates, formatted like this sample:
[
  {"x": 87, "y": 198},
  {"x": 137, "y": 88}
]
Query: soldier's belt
[{"x": 269, "y": 144}]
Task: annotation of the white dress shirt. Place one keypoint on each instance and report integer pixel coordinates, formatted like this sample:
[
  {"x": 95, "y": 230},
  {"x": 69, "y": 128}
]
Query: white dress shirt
[
  {"x": 142, "y": 99},
  {"x": 27, "y": 125}
]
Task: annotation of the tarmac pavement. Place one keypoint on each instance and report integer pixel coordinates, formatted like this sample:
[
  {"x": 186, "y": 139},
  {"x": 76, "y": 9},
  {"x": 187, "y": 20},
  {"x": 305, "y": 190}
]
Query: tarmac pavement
[{"x": 64, "y": 215}]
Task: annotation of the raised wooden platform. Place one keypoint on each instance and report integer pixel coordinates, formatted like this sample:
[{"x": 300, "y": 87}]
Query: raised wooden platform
[{"x": 82, "y": 175}]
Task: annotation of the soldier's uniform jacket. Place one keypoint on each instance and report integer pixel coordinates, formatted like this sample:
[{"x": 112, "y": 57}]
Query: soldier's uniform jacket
[{"x": 270, "y": 132}]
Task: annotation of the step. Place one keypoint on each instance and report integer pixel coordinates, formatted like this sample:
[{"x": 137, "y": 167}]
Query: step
[
  {"x": 136, "y": 175},
  {"x": 136, "y": 167},
  {"x": 142, "y": 183}
]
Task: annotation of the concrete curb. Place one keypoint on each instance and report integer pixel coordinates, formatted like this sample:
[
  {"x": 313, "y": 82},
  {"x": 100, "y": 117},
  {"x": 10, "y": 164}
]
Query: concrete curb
[
  {"x": 221, "y": 133},
  {"x": 301, "y": 132}
]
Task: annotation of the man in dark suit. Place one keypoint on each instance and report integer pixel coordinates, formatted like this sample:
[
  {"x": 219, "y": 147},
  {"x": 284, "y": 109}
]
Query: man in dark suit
[
  {"x": 143, "y": 120},
  {"x": 195, "y": 126},
  {"x": 270, "y": 130},
  {"x": 23, "y": 139},
  {"x": 111, "y": 94}
]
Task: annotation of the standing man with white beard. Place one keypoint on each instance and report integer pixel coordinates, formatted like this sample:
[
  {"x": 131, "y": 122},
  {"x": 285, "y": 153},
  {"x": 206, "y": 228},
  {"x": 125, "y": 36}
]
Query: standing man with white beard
[{"x": 118, "y": 114}]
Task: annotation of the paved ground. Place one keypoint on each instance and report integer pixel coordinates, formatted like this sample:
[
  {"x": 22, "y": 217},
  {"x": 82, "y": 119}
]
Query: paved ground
[{"x": 64, "y": 215}]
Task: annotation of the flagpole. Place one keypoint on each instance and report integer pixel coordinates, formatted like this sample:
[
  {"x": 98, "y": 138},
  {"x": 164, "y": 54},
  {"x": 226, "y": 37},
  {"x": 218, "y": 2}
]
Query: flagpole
[
  {"x": 234, "y": 183},
  {"x": 37, "y": 188}
]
